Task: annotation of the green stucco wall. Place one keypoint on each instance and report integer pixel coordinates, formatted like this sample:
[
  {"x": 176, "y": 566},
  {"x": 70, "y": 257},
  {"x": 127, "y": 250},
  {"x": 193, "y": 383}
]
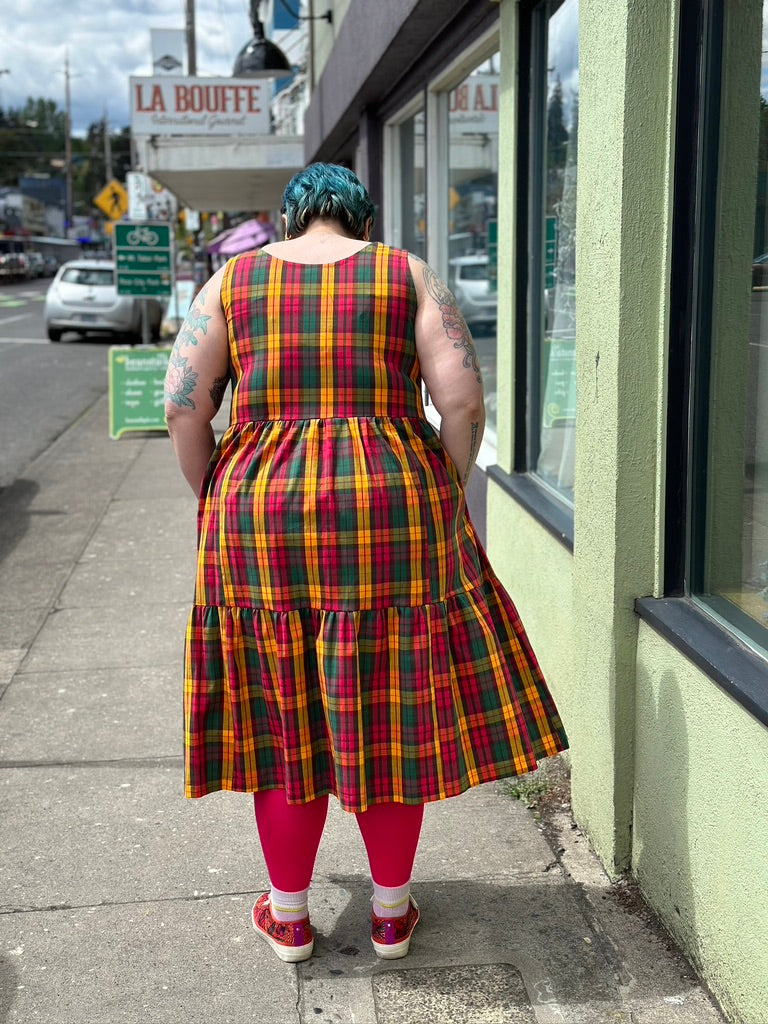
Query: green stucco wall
[
  {"x": 537, "y": 571},
  {"x": 701, "y": 827},
  {"x": 625, "y": 130}
]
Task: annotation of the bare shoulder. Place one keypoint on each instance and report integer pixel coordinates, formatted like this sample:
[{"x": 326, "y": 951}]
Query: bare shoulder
[
  {"x": 428, "y": 283},
  {"x": 416, "y": 265}
]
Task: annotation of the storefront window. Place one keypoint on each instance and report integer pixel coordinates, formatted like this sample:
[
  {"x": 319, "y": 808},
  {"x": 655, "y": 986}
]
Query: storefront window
[
  {"x": 473, "y": 158},
  {"x": 552, "y": 275},
  {"x": 729, "y": 551},
  {"x": 412, "y": 219}
]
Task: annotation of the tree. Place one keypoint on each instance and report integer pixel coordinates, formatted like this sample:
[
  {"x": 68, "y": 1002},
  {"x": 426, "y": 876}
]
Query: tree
[
  {"x": 557, "y": 133},
  {"x": 91, "y": 172},
  {"x": 31, "y": 140}
]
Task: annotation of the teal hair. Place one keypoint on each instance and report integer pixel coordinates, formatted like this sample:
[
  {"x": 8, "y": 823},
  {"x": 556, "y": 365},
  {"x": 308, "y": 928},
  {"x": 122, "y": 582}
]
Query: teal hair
[{"x": 327, "y": 190}]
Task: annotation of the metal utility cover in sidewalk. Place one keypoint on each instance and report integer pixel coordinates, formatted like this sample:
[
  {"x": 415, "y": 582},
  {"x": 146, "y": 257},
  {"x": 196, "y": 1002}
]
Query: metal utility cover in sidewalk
[{"x": 482, "y": 994}]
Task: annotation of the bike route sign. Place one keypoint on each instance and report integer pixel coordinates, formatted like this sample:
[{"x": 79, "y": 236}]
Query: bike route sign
[{"x": 143, "y": 257}]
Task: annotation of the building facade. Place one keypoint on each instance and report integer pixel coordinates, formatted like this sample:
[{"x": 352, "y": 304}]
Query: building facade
[{"x": 591, "y": 180}]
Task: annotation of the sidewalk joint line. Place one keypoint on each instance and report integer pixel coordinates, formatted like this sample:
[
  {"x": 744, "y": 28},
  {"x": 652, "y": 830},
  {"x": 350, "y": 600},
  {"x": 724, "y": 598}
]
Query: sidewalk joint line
[
  {"x": 113, "y": 762},
  {"x": 7, "y": 911}
]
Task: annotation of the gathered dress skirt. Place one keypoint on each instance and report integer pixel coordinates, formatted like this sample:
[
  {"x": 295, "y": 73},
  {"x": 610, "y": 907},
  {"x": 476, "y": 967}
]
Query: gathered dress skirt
[{"x": 348, "y": 634}]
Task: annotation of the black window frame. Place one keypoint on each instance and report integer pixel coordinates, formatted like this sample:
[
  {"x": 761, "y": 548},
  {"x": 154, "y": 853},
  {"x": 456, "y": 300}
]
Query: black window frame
[
  {"x": 522, "y": 484},
  {"x": 684, "y": 621}
]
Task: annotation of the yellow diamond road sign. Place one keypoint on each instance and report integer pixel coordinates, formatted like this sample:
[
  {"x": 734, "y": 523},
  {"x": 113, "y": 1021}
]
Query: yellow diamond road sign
[{"x": 113, "y": 200}]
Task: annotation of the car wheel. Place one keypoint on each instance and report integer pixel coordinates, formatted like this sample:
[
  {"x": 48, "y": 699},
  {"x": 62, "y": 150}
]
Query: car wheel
[{"x": 54, "y": 335}]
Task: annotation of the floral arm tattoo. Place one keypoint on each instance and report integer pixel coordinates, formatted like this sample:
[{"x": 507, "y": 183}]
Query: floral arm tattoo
[
  {"x": 180, "y": 381},
  {"x": 453, "y": 322},
  {"x": 195, "y": 321}
]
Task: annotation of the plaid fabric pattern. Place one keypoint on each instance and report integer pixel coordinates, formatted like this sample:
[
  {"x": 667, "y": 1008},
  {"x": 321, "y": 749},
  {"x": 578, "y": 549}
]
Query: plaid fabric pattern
[{"x": 348, "y": 634}]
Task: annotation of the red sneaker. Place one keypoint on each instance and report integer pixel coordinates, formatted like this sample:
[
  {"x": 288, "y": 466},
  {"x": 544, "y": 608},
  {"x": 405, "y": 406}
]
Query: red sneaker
[
  {"x": 292, "y": 941},
  {"x": 391, "y": 936}
]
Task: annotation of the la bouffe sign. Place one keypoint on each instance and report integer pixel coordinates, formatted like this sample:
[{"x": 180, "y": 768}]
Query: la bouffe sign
[{"x": 170, "y": 105}]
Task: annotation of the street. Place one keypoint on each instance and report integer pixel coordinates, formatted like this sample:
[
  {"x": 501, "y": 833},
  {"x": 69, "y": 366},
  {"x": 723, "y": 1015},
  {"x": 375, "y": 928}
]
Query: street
[{"x": 44, "y": 387}]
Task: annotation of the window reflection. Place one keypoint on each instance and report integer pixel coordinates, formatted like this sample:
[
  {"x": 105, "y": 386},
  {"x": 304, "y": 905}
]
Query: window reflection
[
  {"x": 735, "y": 581},
  {"x": 473, "y": 195},
  {"x": 556, "y": 399},
  {"x": 413, "y": 211}
]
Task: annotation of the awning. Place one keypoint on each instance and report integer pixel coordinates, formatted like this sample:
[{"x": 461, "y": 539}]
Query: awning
[
  {"x": 251, "y": 234},
  {"x": 223, "y": 173}
]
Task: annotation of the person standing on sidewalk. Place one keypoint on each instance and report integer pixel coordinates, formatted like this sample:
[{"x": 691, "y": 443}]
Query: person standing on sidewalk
[{"x": 348, "y": 635}]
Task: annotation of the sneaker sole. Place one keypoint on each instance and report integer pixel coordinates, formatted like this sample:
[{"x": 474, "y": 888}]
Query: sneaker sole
[
  {"x": 393, "y": 952},
  {"x": 288, "y": 954}
]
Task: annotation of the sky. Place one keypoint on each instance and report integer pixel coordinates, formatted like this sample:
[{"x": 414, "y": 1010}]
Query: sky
[
  {"x": 563, "y": 53},
  {"x": 107, "y": 43}
]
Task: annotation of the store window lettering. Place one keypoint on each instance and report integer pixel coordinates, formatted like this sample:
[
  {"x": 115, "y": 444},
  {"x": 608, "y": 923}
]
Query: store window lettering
[{"x": 475, "y": 95}]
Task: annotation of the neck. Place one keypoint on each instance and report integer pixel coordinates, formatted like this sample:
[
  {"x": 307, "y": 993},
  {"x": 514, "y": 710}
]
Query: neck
[{"x": 320, "y": 226}]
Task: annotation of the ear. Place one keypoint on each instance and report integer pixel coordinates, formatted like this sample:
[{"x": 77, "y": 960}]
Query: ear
[
  {"x": 284, "y": 219},
  {"x": 368, "y": 229}
]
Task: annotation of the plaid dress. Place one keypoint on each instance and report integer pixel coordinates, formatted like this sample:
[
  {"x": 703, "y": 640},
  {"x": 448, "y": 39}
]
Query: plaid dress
[{"x": 348, "y": 634}]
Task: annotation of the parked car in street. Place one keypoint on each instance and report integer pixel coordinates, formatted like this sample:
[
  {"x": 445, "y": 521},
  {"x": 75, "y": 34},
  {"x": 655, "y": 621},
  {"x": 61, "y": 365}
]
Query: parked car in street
[
  {"x": 12, "y": 266},
  {"x": 83, "y": 297},
  {"x": 760, "y": 272},
  {"x": 469, "y": 282},
  {"x": 36, "y": 264}
]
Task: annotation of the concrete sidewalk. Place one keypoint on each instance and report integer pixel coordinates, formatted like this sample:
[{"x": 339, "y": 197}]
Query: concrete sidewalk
[{"x": 124, "y": 902}]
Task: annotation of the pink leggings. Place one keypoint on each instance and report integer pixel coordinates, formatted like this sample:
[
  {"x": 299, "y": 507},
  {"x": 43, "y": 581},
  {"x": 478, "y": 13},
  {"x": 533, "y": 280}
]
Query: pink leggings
[{"x": 290, "y": 836}]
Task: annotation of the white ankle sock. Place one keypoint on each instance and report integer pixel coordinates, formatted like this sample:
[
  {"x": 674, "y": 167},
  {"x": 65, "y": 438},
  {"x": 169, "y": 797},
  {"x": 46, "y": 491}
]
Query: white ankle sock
[
  {"x": 289, "y": 906},
  {"x": 391, "y": 902}
]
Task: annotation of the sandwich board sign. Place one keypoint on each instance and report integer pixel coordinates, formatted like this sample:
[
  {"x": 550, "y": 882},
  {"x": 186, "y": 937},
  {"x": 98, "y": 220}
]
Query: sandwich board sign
[{"x": 136, "y": 379}]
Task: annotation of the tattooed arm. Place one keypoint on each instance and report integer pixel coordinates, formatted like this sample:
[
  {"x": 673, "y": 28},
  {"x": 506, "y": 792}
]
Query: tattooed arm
[
  {"x": 449, "y": 367},
  {"x": 198, "y": 373}
]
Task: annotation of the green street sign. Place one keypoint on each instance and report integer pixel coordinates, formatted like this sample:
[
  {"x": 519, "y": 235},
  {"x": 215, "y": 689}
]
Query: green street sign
[
  {"x": 550, "y": 252},
  {"x": 143, "y": 258},
  {"x": 492, "y": 230},
  {"x": 136, "y": 379}
]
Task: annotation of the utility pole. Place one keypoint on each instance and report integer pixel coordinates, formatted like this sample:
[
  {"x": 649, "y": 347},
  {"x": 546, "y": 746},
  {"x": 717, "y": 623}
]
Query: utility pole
[
  {"x": 3, "y": 71},
  {"x": 191, "y": 44},
  {"x": 107, "y": 149},
  {"x": 67, "y": 147}
]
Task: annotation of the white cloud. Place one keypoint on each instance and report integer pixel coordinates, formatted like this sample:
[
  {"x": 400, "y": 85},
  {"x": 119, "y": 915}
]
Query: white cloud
[{"x": 106, "y": 43}]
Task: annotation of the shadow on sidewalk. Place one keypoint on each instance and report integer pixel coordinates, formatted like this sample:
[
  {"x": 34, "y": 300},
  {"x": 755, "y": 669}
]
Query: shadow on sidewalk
[
  {"x": 494, "y": 945},
  {"x": 14, "y": 513},
  {"x": 9, "y": 979}
]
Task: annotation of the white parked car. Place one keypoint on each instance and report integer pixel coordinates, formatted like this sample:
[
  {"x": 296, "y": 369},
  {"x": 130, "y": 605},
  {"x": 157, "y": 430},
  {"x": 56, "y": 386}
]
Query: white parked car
[
  {"x": 83, "y": 297},
  {"x": 468, "y": 280}
]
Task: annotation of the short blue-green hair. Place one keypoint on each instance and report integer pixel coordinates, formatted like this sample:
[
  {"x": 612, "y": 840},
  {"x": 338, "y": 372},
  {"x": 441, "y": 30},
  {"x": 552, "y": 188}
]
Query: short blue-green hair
[{"x": 327, "y": 190}]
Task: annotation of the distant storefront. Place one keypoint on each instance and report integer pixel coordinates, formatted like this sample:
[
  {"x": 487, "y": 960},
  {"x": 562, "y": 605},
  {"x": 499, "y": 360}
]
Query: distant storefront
[{"x": 209, "y": 141}]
